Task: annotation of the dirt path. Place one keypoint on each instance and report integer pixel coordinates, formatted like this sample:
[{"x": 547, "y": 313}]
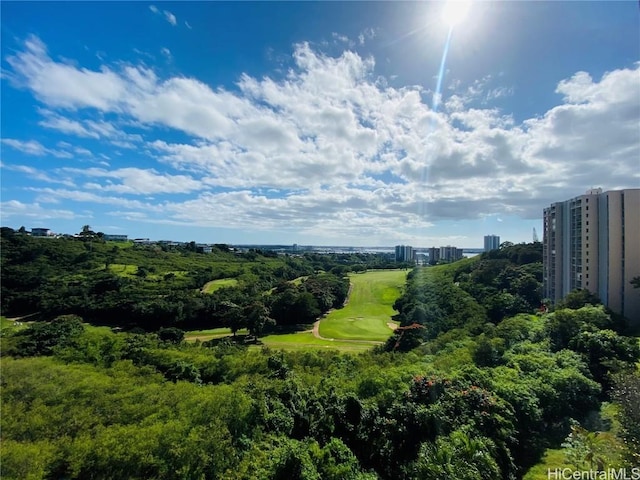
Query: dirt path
[{"x": 18, "y": 319}]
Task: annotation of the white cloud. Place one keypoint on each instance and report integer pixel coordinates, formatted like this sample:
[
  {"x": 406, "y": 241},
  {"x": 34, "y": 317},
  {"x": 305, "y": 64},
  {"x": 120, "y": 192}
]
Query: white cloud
[
  {"x": 50, "y": 195},
  {"x": 366, "y": 34},
  {"x": 64, "y": 85},
  {"x": 35, "y": 174},
  {"x": 32, "y": 147},
  {"x": 346, "y": 150},
  {"x": 14, "y": 208},
  {"x": 186, "y": 24},
  {"x": 138, "y": 181},
  {"x": 168, "y": 16},
  {"x": 171, "y": 18},
  {"x": 96, "y": 129},
  {"x": 65, "y": 125}
]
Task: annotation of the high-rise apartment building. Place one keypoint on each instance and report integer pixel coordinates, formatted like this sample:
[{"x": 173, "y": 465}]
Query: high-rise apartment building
[
  {"x": 434, "y": 255},
  {"x": 491, "y": 242},
  {"x": 405, "y": 253},
  {"x": 593, "y": 242},
  {"x": 451, "y": 254}
]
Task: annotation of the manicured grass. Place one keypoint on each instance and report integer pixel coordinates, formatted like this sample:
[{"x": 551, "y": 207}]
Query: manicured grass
[
  {"x": 369, "y": 309},
  {"x": 214, "y": 285},
  {"x": 211, "y": 333},
  {"x": 365, "y": 318},
  {"x": 13, "y": 324},
  {"x": 302, "y": 340}
]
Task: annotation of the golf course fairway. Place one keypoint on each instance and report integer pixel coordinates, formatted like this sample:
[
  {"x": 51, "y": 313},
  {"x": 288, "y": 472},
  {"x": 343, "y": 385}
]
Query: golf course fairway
[{"x": 368, "y": 312}]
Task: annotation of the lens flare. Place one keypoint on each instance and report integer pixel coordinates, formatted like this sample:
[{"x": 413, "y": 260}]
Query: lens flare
[
  {"x": 455, "y": 11},
  {"x": 438, "y": 93}
]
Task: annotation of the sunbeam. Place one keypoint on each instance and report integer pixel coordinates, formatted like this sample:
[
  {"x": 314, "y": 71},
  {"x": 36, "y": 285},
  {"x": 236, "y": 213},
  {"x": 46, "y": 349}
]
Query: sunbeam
[{"x": 437, "y": 95}]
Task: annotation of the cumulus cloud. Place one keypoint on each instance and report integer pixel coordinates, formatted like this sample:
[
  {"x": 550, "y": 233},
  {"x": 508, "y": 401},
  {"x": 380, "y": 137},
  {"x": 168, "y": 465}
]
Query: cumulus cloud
[
  {"x": 64, "y": 85},
  {"x": 338, "y": 147}
]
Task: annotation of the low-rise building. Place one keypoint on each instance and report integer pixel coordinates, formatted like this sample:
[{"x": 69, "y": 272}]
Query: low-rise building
[
  {"x": 115, "y": 237},
  {"x": 41, "y": 232}
]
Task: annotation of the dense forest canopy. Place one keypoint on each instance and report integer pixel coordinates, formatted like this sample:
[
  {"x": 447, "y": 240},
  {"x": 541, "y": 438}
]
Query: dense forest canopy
[
  {"x": 476, "y": 383},
  {"x": 155, "y": 286}
]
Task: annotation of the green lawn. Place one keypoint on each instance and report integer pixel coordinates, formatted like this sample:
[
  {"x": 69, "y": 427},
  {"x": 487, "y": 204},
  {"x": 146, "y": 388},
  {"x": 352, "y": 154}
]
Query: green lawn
[
  {"x": 214, "y": 285},
  {"x": 14, "y": 325},
  {"x": 211, "y": 333},
  {"x": 302, "y": 340},
  {"x": 369, "y": 309}
]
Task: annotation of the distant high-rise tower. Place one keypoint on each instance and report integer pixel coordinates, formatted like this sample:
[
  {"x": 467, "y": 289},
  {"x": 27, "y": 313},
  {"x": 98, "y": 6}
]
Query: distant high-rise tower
[
  {"x": 591, "y": 242},
  {"x": 491, "y": 242},
  {"x": 405, "y": 253},
  {"x": 535, "y": 236}
]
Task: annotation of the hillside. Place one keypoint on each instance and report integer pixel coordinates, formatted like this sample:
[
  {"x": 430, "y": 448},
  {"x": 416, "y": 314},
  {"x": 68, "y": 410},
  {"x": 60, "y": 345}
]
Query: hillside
[{"x": 460, "y": 394}]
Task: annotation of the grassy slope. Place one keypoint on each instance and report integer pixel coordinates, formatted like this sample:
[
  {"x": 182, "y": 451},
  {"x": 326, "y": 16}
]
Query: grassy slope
[
  {"x": 369, "y": 309},
  {"x": 214, "y": 285}
]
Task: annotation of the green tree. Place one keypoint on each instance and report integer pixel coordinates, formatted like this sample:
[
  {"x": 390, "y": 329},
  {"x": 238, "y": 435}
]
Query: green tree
[
  {"x": 584, "y": 449},
  {"x": 233, "y": 317},
  {"x": 626, "y": 393},
  {"x": 458, "y": 455},
  {"x": 171, "y": 335},
  {"x": 578, "y": 299},
  {"x": 41, "y": 338},
  {"x": 257, "y": 317}
]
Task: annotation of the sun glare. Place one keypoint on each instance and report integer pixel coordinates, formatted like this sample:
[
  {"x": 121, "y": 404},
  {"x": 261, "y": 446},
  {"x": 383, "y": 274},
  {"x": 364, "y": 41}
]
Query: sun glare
[{"x": 455, "y": 11}]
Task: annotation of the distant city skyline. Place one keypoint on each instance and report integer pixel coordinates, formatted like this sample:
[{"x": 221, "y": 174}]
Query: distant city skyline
[{"x": 316, "y": 123}]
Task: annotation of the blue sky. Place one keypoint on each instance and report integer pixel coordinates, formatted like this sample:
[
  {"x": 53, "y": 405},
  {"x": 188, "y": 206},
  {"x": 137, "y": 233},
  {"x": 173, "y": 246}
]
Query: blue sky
[{"x": 313, "y": 122}]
